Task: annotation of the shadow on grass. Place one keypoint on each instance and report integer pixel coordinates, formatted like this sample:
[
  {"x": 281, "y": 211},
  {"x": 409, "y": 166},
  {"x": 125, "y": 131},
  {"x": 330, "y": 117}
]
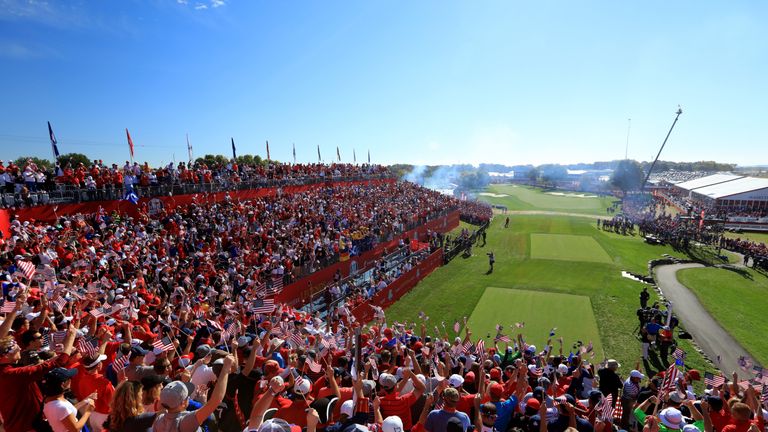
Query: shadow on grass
[{"x": 740, "y": 271}]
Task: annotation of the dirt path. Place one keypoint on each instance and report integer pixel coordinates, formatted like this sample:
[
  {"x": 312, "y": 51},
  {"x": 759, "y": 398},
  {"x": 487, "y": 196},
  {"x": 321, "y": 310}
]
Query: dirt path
[{"x": 706, "y": 331}]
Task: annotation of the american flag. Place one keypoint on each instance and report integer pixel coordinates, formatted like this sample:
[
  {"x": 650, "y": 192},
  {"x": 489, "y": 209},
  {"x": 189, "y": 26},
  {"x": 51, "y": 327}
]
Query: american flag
[
  {"x": 711, "y": 380},
  {"x": 215, "y": 325},
  {"x": 86, "y": 346},
  {"x": 59, "y": 303},
  {"x": 230, "y": 331},
  {"x": 606, "y": 408},
  {"x": 27, "y": 268},
  {"x": 670, "y": 379},
  {"x": 8, "y": 307},
  {"x": 480, "y": 347},
  {"x": 200, "y": 313},
  {"x": 297, "y": 340},
  {"x": 679, "y": 354},
  {"x": 45, "y": 332},
  {"x": 261, "y": 290},
  {"x": 97, "y": 312},
  {"x": 314, "y": 366},
  {"x": 164, "y": 344},
  {"x": 503, "y": 338},
  {"x": 467, "y": 347},
  {"x": 276, "y": 287},
  {"x": 58, "y": 337},
  {"x": 263, "y": 306},
  {"x": 120, "y": 363}
]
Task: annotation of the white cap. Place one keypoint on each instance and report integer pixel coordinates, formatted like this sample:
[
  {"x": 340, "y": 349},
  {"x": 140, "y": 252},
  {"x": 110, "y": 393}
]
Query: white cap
[
  {"x": 392, "y": 424},
  {"x": 303, "y": 387},
  {"x": 636, "y": 374},
  {"x": 563, "y": 369},
  {"x": 348, "y": 408},
  {"x": 456, "y": 380}
]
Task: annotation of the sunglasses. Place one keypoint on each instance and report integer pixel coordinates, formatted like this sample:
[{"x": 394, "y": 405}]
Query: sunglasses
[{"x": 489, "y": 415}]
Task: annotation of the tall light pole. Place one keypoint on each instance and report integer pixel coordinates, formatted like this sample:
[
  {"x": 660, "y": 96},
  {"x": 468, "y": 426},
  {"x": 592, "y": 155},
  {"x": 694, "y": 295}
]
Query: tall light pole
[{"x": 679, "y": 111}]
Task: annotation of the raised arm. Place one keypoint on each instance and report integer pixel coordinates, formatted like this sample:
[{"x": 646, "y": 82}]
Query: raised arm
[{"x": 218, "y": 392}]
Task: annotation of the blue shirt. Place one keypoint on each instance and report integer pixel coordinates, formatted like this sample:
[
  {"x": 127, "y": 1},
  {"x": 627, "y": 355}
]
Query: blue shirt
[
  {"x": 504, "y": 410},
  {"x": 437, "y": 420}
]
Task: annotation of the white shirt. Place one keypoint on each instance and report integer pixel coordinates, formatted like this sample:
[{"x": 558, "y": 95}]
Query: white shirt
[
  {"x": 203, "y": 375},
  {"x": 56, "y": 411}
]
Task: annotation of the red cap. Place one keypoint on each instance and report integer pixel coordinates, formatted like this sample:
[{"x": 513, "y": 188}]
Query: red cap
[
  {"x": 388, "y": 332},
  {"x": 497, "y": 391},
  {"x": 469, "y": 377},
  {"x": 694, "y": 375},
  {"x": 533, "y": 403},
  {"x": 417, "y": 346}
]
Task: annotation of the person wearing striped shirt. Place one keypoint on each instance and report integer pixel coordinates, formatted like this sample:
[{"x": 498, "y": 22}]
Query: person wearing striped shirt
[{"x": 629, "y": 394}]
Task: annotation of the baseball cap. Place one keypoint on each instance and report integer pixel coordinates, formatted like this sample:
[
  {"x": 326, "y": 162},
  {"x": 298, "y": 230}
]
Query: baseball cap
[
  {"x": 455, "y": 380},
  {"x": 533, "y": 404},
  {"x": 387, "y": 380},
  {"x": 496, "y": 390},
  {"x": 636, "y": 374},
  {"x": 275, "y": 425},
  {"x": 348, "y": 408},
  {"x": 137, "y": 351},
  {"x": 175, "y": 393},
  {"x": 59, "y": 375},
  {"x": 391, "y": 424},
  {"x": 675, "y": 398},
  {"x": 563, "y": 369},
  {"x": 302, "y": 387},
  {"x": 203, "y": 350},
  {"x": 469, "y": 377}
]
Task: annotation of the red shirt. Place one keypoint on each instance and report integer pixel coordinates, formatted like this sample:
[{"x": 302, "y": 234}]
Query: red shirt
[
  {"x": 720, "y": 419},
  {"x": 83, "y": 384},
  {"x": 400, "y": 406},
  {"x": 293, "y": 411},
  {"x": 738, "y": 426},
  {"x": 20, "y": 398}
]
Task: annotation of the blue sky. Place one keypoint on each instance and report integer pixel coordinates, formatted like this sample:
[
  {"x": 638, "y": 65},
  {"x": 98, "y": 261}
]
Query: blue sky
[{"x": 423, "y": 82}]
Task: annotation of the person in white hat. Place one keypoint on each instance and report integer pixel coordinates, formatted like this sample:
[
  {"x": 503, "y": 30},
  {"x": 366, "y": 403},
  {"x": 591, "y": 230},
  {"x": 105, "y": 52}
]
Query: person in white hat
[{"x": 629, "y": 395}]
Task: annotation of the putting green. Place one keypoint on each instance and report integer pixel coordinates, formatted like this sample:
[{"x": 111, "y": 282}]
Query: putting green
[
  {"x": 540, "y": 311},
  {"x": 567, "y": 247}
]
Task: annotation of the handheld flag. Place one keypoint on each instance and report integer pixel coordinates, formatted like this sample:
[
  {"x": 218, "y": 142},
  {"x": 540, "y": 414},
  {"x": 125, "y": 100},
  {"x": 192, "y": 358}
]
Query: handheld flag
[
  {"x": 268, "y": 150},
  {"x": 234, "y": 150},
  {"x": 53, "y": 142},
  {"x": 27, "y": 268},
  {"x": 130, "y": 142}
]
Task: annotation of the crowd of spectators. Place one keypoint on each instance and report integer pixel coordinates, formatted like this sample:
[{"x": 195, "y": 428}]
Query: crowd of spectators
[
  {"x": 31, "y": 184},
  {"x": 475, "y": 212}
]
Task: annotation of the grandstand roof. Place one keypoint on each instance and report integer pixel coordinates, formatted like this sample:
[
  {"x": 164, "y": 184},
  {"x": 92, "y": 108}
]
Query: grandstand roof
[
  {"x": 708, "y": 181},
  {"x": 734, "y": 187}
]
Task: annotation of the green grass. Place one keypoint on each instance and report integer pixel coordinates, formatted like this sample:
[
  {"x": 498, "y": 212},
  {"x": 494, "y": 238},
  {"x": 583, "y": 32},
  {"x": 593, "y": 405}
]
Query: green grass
[
  {"x": 528, "y": 198},
  {"x": 453, "y": 291},
  {"x": 540, "y": 311},
  {"x": 567, "y": 247},
  {"x": 737, "y": 300}
]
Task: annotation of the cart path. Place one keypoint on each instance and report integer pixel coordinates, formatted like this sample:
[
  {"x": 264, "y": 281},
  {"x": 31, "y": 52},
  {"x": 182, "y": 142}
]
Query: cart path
[{"x": 707, "y": 332}]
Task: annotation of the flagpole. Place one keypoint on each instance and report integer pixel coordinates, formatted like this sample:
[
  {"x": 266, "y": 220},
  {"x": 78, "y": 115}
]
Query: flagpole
[{"x": 189, "y": 150}]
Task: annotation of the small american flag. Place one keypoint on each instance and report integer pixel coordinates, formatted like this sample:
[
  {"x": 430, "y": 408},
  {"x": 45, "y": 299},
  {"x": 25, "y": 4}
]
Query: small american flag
[
  {"x": 670, "y": 379},
  {"x": 314, "y": 366},
  {"x": 97, "y": 312},
  {"x": 164, "y": 344},
  {"x": 297, "y": 340},
  {"x": 200, "y": 313},
  {"x": 263, "y": 306},
  {"x": 467, "y": 347},
  {"x": 8, "y": 307},
  {"x": 480, "y": 347},
  {"x": 679, "y": 354},
  {"x": 606, "y": 409},
  {"x": 276, "y": 287},
  {"x": 711, "y": 380},
  {"x": 58, "y": 337},
  {"x": 456, "y": 327},
  {"x": 503, "y": 338},
  {"x": 59, "y": 303},
  {"x": 45, "y": 332},
  {"x": 86, "y": 346},
  {"x": 27, "y": 268},
  {"x": 215, "y": 325},
  {"x": 120, "y": 363}
]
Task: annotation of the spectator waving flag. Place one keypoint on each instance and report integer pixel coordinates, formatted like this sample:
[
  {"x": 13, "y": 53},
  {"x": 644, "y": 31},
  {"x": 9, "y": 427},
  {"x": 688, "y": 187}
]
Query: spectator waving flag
[
  {"x": 26, "y": 268},
  {"x": 679, "y": 354},
  {"x": 263, "y": 306},
  {"x": 606, "y": 409},
  {"x": 670, "y": 380},
  {"x": 297, "y": 340},
  {"x": 467, "y": 347},
  {"x": 120, "y": 363},
  {"x": 130, "y": 195},
  {"x": 164, "y": 344},
  {"x": 314, "y": 366},
  {"x": 87, "y": 346},
  {"x": 480, "y": 347},
  {"x": 711, "y": 380},
  {"x": 97, "y": 312}
]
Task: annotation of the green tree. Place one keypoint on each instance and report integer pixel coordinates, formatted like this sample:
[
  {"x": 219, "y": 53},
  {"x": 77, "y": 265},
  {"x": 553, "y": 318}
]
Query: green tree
[
  {"x": 533, "y": 175},
  {"x": 43, "y": 163},
  {"x": 75, "y": 159},
  {"x": 628, "y": 176},
  {"x": 212, "y": 160}
]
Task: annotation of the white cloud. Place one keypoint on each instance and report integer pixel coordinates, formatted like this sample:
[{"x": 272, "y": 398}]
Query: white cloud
[
  {"x": 182, "y": 2},
  {"x": 200, "y": 6},
  {"x": 217, "y": 3}
]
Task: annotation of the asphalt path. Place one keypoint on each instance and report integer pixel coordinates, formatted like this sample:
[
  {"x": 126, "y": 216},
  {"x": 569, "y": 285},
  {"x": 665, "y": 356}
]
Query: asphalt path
[{"x": 707, "y": 332}]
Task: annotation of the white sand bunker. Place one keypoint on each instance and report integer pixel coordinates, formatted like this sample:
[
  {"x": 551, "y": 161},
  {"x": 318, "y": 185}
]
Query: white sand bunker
[
  {"x": 493, "y": 195},
  {"x": 571, "y": 195}
]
